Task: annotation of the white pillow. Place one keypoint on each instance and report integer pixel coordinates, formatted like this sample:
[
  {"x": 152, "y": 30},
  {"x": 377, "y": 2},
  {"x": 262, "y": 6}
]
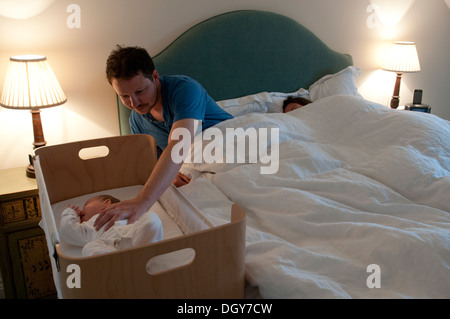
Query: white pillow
[
  {"x": 264, "y": 102},
  {"x": 342, "y": 82}
]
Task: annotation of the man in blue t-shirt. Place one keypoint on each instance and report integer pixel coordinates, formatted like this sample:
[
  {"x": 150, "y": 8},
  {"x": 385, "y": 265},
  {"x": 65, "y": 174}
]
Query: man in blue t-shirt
[
  {"x": 182, "y": 98},
  {"x": 159, "y": 106}
]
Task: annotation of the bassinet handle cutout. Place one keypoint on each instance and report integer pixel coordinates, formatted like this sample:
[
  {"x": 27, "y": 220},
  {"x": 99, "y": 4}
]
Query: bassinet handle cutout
[
  {"x": 170, "y": 261},
  {"x": 93, "y": 152}
]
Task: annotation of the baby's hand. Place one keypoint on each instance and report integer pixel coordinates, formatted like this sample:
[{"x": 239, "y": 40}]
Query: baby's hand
[{"x": 77, "y": 209}]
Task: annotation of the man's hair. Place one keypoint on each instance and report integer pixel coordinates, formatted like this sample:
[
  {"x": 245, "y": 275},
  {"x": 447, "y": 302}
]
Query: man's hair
[{"x": 127, "y": 62}]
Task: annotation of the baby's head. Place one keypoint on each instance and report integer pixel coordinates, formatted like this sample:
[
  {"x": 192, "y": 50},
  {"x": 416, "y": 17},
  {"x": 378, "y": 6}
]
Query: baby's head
[{"x": 95, "y": 205}]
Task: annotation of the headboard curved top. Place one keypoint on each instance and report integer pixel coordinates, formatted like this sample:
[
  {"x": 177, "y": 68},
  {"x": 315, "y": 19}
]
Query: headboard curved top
[{"x": 245, "y": 52}]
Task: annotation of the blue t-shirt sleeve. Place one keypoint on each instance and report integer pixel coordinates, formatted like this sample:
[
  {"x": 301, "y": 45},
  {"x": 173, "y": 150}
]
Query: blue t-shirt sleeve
[{"x": 188, "y": 101}]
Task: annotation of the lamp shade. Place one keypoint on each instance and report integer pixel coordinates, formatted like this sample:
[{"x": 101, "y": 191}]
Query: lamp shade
[
  {"x": 31, "y": 84},
  {"x": 402, "y": 58}
]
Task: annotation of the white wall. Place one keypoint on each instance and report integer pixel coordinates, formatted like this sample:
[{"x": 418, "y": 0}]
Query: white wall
[{"x": 77, "y": 55}]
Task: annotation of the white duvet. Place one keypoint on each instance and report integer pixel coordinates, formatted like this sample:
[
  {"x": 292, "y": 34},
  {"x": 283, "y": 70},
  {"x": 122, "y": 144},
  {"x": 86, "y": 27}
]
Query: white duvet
[{"x": 359, "y": 207}]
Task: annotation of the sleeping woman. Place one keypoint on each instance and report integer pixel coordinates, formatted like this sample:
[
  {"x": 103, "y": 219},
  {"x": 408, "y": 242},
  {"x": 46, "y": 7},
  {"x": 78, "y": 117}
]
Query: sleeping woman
[
  {"x": 293, "y": 103},
  {"x": 77, "y": 228}
]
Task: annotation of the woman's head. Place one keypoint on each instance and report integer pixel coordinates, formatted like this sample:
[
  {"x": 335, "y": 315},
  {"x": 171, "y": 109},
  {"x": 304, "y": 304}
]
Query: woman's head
[{"x": 292, "y": 103}]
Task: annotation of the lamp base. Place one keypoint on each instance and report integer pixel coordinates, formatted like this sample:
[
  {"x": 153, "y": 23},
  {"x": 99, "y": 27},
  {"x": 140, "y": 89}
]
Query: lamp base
[
  {"x": 30, "y": 168},
  {"x": 39, "y": 140},
  {"x": 395, "y": 101},
  {"x": 30, "y": 172}
]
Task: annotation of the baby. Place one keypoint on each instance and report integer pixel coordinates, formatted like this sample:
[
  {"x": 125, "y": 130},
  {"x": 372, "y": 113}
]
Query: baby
[{"x": 77, "y": 228}]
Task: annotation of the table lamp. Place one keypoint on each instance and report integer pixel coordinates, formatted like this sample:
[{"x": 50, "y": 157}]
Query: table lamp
[
  {"x": 30, "y": 84},
  {"x": 401, "y": 59}
]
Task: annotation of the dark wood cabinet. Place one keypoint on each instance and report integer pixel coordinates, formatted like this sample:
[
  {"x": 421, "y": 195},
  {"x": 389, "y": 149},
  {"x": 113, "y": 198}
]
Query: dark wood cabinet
[{"x": 24, "y": 260}]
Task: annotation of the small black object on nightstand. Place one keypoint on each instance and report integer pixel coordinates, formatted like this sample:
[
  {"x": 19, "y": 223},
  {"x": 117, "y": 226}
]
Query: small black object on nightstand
[
  {"x": 417, "y": 105},
  {"x": 425, "y": 108}
]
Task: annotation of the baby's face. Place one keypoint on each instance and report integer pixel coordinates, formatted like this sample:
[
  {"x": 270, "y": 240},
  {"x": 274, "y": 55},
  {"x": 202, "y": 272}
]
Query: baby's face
[{"x": 92, "y": 208}]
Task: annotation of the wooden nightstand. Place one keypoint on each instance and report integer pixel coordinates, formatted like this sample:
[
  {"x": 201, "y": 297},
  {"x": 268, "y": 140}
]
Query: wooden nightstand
[{"x": 24, "y": 259}]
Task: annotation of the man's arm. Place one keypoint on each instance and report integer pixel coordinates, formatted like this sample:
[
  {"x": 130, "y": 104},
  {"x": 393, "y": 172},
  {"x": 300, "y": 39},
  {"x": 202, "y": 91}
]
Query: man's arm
[{"x": 160, "y": 179}]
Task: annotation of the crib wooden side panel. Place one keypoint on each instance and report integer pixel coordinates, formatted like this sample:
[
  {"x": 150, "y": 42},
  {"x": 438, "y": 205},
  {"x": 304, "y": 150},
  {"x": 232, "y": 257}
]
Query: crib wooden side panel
[
  {"x": 129, "y": 161},
  {"x": 217, "y": 270}
]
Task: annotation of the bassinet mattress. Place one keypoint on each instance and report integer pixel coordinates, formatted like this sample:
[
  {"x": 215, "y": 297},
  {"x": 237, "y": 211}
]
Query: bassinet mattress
[{"x": 170, "y": 227}]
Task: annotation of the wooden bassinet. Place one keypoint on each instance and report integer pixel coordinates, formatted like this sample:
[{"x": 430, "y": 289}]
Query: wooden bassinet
[{"x": 215, "y": 271}]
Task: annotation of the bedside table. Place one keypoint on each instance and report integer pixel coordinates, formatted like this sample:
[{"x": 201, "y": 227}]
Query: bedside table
[{"x": 24, "y": 260}]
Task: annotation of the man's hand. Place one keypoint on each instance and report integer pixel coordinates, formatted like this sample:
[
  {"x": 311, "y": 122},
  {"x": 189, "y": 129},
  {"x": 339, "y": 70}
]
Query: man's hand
[
  {"x": 181, "y": 180},
  {"x": 164, "y": 173},
  {"x": 128, "y": 209}
]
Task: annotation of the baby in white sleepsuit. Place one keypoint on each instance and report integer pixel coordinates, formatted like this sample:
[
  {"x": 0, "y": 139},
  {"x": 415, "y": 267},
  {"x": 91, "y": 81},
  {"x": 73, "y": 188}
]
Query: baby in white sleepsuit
[{"x": 77, "y": 228}]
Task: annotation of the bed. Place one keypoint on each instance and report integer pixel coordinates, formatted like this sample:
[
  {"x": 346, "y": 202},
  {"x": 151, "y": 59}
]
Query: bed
[{"x": 357, "y": 204}]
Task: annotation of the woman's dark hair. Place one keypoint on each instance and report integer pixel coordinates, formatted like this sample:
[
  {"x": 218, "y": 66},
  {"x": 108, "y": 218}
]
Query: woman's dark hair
[
  {"x": 126, "y": 62},
  {"x": 292, "y": 99}
]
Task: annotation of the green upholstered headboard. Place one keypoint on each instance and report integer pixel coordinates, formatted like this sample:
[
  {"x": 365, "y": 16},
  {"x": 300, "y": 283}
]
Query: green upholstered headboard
[{"x": 246, "y": 52}]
